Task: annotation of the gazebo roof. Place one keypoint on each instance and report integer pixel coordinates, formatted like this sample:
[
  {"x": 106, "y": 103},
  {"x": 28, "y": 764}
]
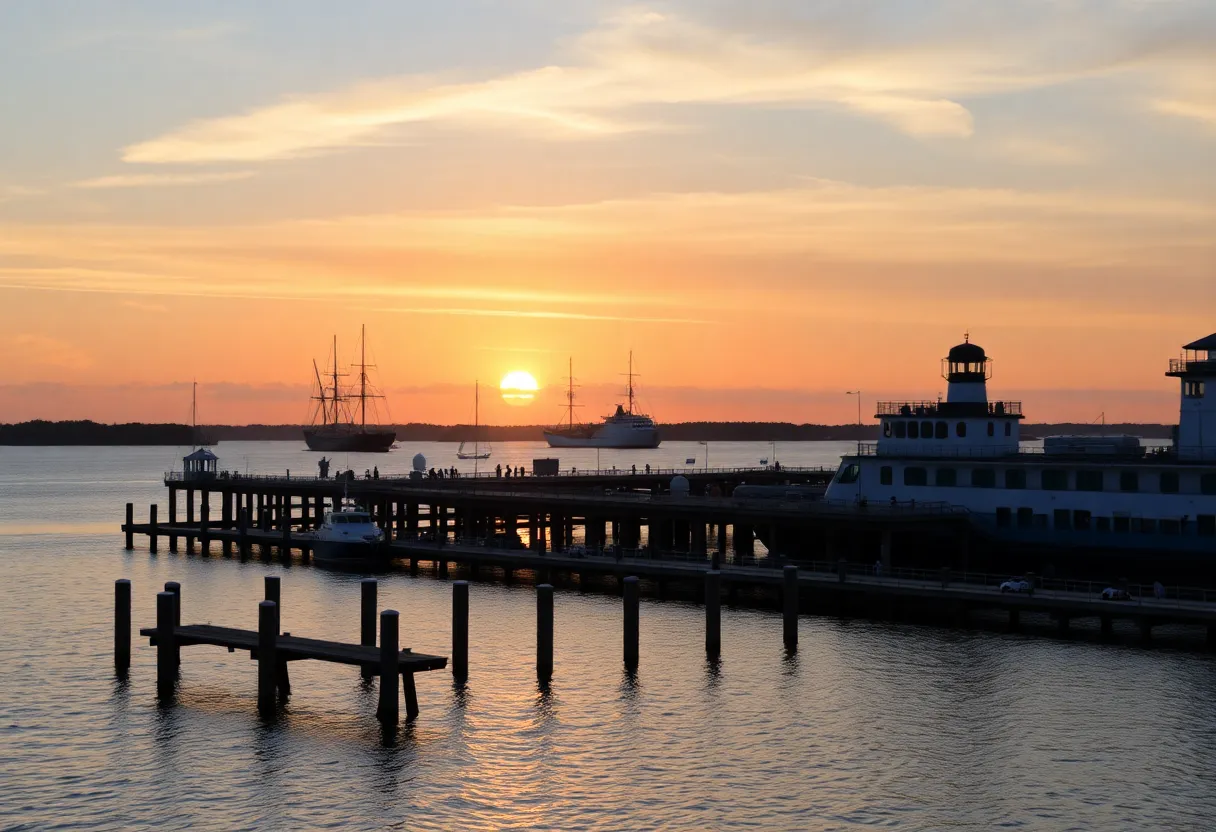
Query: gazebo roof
[
  {"x": 202, "y": 454},
  {"x": 1208, "y": 343}
]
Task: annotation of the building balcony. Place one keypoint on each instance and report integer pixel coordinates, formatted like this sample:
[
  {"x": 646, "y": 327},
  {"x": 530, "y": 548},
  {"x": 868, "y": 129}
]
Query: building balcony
[{"x": 1191, "y": 367}]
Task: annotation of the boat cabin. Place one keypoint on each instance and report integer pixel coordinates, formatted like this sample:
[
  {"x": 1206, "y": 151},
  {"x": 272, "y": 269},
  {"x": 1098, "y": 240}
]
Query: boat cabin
[{"x": 200, "y": 465}]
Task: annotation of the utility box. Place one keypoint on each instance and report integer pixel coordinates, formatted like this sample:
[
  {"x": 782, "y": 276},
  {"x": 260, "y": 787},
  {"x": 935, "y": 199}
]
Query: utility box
[{"x": 544, "y": 467}]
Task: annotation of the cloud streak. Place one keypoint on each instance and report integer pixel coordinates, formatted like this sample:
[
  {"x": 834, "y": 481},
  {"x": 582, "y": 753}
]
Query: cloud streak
[
  {"x": 161, "y": 180},
  {"x": 915, "y": 78}
]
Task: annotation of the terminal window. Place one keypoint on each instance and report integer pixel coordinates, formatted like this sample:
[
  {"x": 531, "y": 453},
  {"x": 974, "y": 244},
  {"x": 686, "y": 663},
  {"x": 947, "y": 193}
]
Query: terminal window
[{"x": 1192, "y": 389}]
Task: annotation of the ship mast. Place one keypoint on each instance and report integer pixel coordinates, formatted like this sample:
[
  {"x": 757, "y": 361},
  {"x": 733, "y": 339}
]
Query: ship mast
[
  {"x": 363, "y": 376},
  {"x": 570, "y": 391},
  {"x": 476, "y": 409},
  {"x": 335, "y": 381},
  {"x": 631, "y": 382}
]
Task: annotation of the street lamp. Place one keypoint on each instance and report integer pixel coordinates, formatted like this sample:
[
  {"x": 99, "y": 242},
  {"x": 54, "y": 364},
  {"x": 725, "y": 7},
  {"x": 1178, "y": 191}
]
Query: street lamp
[
  {"x": 706, "y": 444},
  {"x": 857, "y": 393}
]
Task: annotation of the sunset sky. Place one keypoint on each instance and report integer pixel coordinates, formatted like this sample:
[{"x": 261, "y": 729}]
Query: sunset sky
[{"x": 769, "y": 202}]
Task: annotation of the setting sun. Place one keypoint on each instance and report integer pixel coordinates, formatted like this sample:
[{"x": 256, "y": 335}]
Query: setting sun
[{"x": 518, "y": 387}]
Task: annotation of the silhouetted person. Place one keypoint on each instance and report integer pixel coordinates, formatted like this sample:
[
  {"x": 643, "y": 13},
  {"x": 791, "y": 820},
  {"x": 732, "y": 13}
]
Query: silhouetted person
[
  {"x": 498, "y": 470},
  {"x": 647, "y": 467},
  {"x": 634, "y": 469},
  {"x": 376, "y": 473}
]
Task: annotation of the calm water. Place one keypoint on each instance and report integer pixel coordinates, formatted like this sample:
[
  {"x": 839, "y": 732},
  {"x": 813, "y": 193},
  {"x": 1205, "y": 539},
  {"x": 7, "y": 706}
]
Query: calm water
[{"x": 868, "y": 725}]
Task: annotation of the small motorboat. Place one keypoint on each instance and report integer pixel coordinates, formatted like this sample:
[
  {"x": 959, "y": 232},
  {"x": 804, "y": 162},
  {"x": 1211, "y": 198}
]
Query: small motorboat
[{"x": 348, "y": 537}]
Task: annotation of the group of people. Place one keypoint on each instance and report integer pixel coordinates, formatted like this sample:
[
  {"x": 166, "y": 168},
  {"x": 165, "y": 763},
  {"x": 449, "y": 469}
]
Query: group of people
[{"x": 510, "y": 472}]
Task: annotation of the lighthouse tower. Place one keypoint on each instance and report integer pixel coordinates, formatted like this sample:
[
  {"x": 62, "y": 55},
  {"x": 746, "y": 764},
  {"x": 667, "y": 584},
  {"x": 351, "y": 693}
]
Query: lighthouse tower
[
  {"x": 1197, "y": 412},
  {"x": 967, "y": 370}
]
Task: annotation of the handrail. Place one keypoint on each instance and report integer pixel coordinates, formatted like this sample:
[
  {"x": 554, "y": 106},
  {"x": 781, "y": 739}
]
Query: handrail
[{"x": 491, "y": 475}]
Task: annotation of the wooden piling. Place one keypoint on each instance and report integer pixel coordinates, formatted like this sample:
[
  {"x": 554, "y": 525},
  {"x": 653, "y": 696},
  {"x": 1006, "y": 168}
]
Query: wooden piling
[
  {"x": 122, "y": 625},
  {"x": 273, "y": 586},
  {"x": 268, "y": 635},
  {"x": 166, "y": 645},
  {"x": 631, "y": 595},
  {"x": 152, "y": 528},
  {"x": 130, "y": 523},
  {"x": 388, "y": 711},
  {"x": 411, "y": 696},
  {"x": 544, "y": 633},
  {"x": 367, "y": 618},
  {"x": 713, "y": 613},
  {"x": 176, "y": 589},
  {"x": 789, "y": 588},
  {"x": 460, "y": 630}
]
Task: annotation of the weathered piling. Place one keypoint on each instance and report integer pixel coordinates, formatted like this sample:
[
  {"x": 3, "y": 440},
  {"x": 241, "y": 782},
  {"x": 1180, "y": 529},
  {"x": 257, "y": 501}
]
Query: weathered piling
[
  {"x": 268, "y": 635},
  {"x": 713, "y": 612},
  {"x": 367, "y": 619},
  {"x": 544, "y": 633},
  {"x": 175, "y": 589},
  {"x": 789, "y": 593},
  {"x": 122, "y": 625},
  {"x": 274, "y": 592},
  {"x": 167, "y": 657},
  {"x": 152, "y": 528},
  {"x": 130, "y": 523},
  {"x": 388, "y": 710},
  {"x": 632, "y": 599},
  {"x": 460, "y": 630}
]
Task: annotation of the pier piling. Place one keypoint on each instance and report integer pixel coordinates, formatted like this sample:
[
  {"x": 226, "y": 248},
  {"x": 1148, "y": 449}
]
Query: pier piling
[
  {"x": 273, "y": 586},
  {"x": 544, "y": 633},
  {"x": 388, "y": 711},
  {"x": 460, "y": 630},
  {"x": 632, "y": 598},
  {"x": 175, "y": 589},
  {"x": 713, "y": 613},
  {"x": 789, "y": 591},
  {"x": 268, "y": 635},
  {"x": 152, "y": 529},
  {"x": 367, "y": 619},
  {"x": 166, "y": 645},
  {"x": 130, "y": 523},
  {"x": 122, "y": 625}
]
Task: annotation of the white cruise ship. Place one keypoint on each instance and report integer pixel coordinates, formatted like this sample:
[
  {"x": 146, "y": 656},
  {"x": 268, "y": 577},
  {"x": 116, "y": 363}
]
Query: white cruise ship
[
  {"x": 1085, "y": 492},
  {"x": 623, "y": 429}
]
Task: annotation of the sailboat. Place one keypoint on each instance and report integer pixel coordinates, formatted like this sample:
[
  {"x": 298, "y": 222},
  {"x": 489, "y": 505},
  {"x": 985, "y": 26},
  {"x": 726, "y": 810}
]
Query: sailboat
[
  {"x": 334, "y": 427},
  {"x": 477, "y": 452},
  {"x": 623, "y": 429}
]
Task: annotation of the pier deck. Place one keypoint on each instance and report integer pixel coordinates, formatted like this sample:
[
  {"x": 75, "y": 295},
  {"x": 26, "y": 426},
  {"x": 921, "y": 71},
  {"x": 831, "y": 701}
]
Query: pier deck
[{"x": 294, "y": 648}]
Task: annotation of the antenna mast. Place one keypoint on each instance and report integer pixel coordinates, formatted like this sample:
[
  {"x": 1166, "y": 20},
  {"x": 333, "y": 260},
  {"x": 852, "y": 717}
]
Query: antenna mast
[
  {"x": 335, "y": 380},
  {"x": 363, "y": 375},
  {"x": 631, "y": 382}
]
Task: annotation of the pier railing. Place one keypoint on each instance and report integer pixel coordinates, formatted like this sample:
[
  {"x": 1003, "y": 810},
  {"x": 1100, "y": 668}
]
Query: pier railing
[{"x": 493, "y": 476}]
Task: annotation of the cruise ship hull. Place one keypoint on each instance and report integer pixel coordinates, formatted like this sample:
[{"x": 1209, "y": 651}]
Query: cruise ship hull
[
  {"x": 620, "y": 440},
  {"x": 343, "y": 439}
]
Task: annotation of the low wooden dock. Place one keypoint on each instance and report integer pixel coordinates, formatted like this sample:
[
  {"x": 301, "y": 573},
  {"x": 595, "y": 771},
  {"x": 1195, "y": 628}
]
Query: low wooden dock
[{"x": 273, "y": 650}]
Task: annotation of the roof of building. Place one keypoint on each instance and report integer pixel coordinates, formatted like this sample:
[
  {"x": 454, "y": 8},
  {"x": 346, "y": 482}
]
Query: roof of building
[
  {"x": 1208, "y": 343},
  {"x": 201, "y": 453},
  {"x": 967, "y": 352}
]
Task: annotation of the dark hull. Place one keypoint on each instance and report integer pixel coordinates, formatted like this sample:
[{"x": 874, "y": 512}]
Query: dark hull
[
  {"x": 361, "y": 441},
  {"x": 352, "y": 556}
]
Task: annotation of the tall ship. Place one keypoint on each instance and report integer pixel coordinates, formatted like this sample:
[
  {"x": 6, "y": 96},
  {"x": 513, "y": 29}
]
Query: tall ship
[
  {"x": 1101, "y": 494},
  {"x": 339, "y": 421},
  {"x": 623, "y": 429}
]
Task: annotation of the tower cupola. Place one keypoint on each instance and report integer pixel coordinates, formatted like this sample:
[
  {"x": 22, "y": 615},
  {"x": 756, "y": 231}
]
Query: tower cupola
[
  {"x": 967, "y": 370},
  {"x": 1196, "y": 369}
]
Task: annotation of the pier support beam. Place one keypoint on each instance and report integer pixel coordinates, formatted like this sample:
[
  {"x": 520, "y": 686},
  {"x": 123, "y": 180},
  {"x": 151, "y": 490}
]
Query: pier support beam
[
  {"x": 130, "y": 523},
  {"x": 122, "y": 625},
  {"x": 1108, "y": 625},
  {"x": 789, "y": 598},
  {"x": 460, "y": 630},
  {"x": 273, "y": 587},
  {"x": 367, "y": 619},
  {"x": 268, "y": 636},
  {"x": 173, "y": 519},
  {"x": 389, "y": 710},
  {"x": 1015, "y": 620},
  {"x": 1146, "y": 628},
  {"x": 544, "y": 633},
  {"x": 153, "y": 540},
  {"x": 713, "y": 613},
  {"x": 632, "y": 627}
]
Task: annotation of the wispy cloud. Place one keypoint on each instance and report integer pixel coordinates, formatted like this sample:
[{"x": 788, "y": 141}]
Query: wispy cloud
[
  {"x": 162, "y": 180},
  {"x": 127, "y": 36},
  {"x": 860, "y": 57},
  {"x": 537, "y": 313}
]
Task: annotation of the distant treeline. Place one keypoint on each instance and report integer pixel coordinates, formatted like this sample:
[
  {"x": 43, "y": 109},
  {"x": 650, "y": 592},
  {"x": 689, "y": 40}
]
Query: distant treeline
[{"x": 92, "y": 433}]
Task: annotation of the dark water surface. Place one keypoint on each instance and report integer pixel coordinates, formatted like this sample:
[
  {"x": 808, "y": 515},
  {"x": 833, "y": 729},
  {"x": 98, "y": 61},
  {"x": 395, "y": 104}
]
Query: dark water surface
[{"x": 868, "y": 725}]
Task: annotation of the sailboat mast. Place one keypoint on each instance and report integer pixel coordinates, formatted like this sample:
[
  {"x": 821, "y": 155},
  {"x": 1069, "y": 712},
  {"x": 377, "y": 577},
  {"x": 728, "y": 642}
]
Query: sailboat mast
[
  {"x": 363, "y": 375},
  {"x": 570, "y": 392},
  {"x": 194, "y": 408}
]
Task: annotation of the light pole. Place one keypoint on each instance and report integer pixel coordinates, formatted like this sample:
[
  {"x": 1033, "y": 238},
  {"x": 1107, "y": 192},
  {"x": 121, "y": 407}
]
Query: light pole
[
  {"x": 706, "y": 444},
  {"x": 857, "y": 393}
]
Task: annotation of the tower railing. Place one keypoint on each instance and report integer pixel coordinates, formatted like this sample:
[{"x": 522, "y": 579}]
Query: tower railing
[{"x": 944, "y": 409}]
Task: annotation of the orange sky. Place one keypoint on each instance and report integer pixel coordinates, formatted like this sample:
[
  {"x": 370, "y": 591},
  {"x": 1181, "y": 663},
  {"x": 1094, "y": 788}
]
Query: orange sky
[{"x": 768, "y": 207}]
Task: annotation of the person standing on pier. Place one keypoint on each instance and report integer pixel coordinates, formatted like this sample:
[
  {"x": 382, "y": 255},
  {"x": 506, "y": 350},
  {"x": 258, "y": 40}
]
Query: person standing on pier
[{"x": 376, "y": 473}]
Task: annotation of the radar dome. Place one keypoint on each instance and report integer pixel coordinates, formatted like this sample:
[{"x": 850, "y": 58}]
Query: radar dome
[
  {"x": 679, "y": 486},
  {"x": 419, "y": 462}
]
